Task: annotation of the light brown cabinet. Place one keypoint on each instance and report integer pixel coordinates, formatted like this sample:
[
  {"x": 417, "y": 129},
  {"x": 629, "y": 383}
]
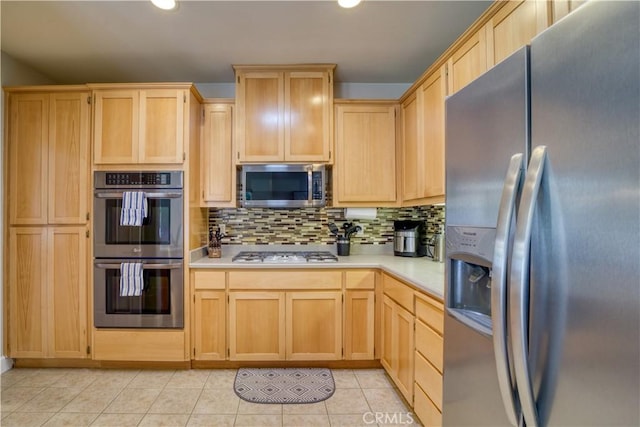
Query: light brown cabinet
[
  {"x": 513, "y": 26},
  {"x": 468, "y": 62},
  {"x": 423, "y": 174},
  {"x": 257, "y": 325},
  {"x": 397, "y": 355},
  {"x": 365, "y": 167},
  {"x": 139, "y": 126},
  {"x": 359, "y": 315},
  {"x": 209, "y": 315},
  {"x": 428, "y": 359},
  {"x": 48, "y": 292},
  {"x": 216, "y": 161},
  {"x": 284, "y": 113},
  {"x": 48, "y": 147},
  {"x": 314, "y": 325}
]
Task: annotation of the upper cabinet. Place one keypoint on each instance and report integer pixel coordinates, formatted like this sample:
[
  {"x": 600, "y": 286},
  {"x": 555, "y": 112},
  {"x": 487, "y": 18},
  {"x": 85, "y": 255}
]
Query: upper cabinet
[
  {"x": 48, "y": 146},
  {"x": 139, "y": 126},
  {"x": 218, "y": 172},
  {"x": 423, "y": 142},
  {"x": 365, "y": 169},
  {"x": 467, "y": 62},
  {"x": 513, "y": 26},
  {"x": 283, "y": 113}
]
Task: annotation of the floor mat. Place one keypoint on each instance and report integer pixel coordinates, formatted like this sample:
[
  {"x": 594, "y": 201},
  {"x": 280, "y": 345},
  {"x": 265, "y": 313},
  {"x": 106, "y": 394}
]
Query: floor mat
[{"x": 284, "y": 385}]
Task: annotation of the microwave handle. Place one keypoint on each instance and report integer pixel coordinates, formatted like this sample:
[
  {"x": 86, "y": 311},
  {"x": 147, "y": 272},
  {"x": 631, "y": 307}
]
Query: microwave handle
[
  {"x": 309, "y": 185},
  {"x": 152, "y": 195},
  {"x": 144, "y": 266}
]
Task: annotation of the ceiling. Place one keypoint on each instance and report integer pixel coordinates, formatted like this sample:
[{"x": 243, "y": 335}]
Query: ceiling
[{"x": 132, "y": 41}]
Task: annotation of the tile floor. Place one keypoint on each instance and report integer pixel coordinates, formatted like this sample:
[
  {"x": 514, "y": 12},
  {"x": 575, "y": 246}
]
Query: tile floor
[{"x": 198, "y": 397}]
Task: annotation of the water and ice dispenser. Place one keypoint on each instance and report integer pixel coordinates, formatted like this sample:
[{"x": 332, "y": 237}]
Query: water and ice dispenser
[{"x": 469, "y": 259}]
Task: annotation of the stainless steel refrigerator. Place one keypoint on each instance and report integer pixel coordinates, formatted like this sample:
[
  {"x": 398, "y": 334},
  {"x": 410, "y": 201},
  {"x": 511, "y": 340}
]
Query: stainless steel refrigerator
[{"x": 542, "y": 324}]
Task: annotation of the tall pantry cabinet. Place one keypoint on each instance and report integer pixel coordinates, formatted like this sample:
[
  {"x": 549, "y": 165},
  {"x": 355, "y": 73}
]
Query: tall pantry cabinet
[{"x": 48, "y": 174}]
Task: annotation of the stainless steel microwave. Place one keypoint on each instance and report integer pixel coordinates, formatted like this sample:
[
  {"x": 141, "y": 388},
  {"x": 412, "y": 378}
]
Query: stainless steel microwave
[{"x": 283, "y": 186}]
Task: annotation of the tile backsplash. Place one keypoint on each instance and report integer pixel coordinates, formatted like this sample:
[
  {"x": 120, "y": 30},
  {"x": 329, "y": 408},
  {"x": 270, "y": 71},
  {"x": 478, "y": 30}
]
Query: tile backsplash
[{"x": 257, "y": 226}]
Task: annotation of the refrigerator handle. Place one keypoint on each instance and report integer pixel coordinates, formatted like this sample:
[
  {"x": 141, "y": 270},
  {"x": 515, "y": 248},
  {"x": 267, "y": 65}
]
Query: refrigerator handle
[
  {"x": 499, "y": 287},
  {"x": 519, "y": 284}
]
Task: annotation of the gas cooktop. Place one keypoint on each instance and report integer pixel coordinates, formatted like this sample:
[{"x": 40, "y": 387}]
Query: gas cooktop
[{"x": 284, "y": 257}]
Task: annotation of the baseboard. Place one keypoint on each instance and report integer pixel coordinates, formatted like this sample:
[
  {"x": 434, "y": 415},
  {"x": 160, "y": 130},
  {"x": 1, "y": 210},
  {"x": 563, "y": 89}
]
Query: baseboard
[{"x": 5, "y": 364}]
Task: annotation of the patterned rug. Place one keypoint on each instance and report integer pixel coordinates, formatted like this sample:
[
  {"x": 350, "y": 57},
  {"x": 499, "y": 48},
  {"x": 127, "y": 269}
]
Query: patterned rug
[{"x": 284, "y": 385}]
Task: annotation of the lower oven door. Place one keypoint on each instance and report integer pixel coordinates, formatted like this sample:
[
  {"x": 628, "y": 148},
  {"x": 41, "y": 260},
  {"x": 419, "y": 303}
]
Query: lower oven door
[{"x": 161, "y": 301}]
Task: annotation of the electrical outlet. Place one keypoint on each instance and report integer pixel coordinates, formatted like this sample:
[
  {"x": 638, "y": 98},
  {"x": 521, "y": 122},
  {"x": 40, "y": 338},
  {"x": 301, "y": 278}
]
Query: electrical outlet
[
  {"x": 223, "y": 228},
  {"x": 361, "y": 232}
]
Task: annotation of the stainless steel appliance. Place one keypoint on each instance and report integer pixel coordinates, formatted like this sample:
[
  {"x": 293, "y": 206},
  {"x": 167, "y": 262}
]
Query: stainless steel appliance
[
  {"x": 283, "y": 186},
  {"x": 409, "y": 238},
  {"x": 542, "y": 296},
  {"x": 160, "y": 236},
  {"x": 160, "y": 305},
  {"x": 284, "y": 257},
  {"x": 157, "y": 244}
]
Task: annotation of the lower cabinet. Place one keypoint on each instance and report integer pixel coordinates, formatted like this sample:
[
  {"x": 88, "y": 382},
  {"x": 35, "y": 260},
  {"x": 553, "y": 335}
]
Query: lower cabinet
[
  {"x": 285, "y": 325},
  {"x": 256, "y": 325},
  {"x": 428, "y": 360},
  {"x": 48, "y": 292},
  {"x": 210, "y": 325},
  {"x": 397, "y": 339}
]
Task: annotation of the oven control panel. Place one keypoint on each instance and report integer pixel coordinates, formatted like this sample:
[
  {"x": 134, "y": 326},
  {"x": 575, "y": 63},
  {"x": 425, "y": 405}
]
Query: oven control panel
[{"x": 138, "y": 179}]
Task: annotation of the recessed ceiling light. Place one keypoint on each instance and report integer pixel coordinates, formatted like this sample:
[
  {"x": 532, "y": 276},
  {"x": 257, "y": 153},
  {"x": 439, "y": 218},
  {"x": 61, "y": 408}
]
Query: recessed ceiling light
[
  {"x": 348, "y": 3},
  {"x": 164, "y": 4}
]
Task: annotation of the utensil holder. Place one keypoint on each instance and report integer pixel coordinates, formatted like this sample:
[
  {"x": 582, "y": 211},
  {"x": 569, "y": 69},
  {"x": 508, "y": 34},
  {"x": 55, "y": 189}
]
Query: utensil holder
[
  {"x": 214, "y": 249},
  {"x": 344, "y": 245}
]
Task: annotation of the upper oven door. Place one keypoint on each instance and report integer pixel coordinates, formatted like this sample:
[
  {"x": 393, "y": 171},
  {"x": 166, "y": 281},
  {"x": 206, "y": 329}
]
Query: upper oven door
[{"x": 160, "y": 236}]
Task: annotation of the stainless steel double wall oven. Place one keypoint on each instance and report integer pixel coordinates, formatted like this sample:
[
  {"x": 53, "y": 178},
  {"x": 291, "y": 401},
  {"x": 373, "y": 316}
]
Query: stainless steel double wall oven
[{"x": 157, "y": 244}]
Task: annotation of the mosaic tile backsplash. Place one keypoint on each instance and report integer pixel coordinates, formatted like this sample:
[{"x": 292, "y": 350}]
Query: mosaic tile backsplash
[{"x": 256, "y": 226}]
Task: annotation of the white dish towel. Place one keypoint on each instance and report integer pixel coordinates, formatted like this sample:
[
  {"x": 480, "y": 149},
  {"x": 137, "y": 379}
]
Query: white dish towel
[
  {"x": 134, "y": 208},
  {"x": 131, "y": 279}
]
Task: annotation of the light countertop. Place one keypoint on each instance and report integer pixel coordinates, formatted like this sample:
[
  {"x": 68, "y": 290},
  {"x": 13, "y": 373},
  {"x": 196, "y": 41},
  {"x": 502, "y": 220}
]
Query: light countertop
[{"x": 423, "y": 273}]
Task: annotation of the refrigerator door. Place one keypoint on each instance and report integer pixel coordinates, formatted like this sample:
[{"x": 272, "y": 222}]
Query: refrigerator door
[
  {"x": 486, "y": 123},
  {"x": 584, "y": 312}
]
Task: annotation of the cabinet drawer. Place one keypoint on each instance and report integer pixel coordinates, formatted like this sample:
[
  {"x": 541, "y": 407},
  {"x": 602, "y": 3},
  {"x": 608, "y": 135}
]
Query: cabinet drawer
[
  {"x": 429, "y": 379},
  {"x": 429, "y": 343},
  {"x": 424, "y": 408},
  {"x": 430, "y": 311},
  {"x": 399, "y": 292},
  {"x": 360, "y": 279},
  {"x": 209, "y": 279},
  {"x": 299, "y": 279}
]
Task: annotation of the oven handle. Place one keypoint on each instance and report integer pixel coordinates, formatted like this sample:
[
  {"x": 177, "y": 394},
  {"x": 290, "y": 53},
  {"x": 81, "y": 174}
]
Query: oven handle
[
  {"x": 160, "y": 195},
  {"x": 144, "y": 266}
]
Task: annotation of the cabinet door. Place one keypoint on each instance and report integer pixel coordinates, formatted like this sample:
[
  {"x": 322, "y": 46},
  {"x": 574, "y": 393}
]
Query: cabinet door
[
  {"x": 359, "y": 321},
  {"x": 562, "y": 8},
  {"x": 27, "y": 292},
  {"x": 366, "y": 154},
  {"x": 404, "y": 351},
  {"x": 513, "y": 26},
  {"x": 468, "y": 62},
  {"x": 68, "y": 158},
  {"x": 432, "y": 95},
  {"x": 28, "y": 145},
  {"x": 314, "y": 325},
  {"x": 161, "y": 129},
  {"x": 115, "y": 126},
  {"x": 386, "y": 340},
  {"x": 256, "y": 326},
  {"x": 412, "y": 151},
  {"x": 217, "y": 163},
  {"x": 260, "y": 118},
  {"x": 67, "y": 292},
  {"x": 307, "y": 117},
  {"x": 210, "y": 326}
]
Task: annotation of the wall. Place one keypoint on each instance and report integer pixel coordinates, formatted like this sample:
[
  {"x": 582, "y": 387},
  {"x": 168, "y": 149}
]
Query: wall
[
  {"x": 309, "y": 226},
  {"x": 12, "y": 73}
]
